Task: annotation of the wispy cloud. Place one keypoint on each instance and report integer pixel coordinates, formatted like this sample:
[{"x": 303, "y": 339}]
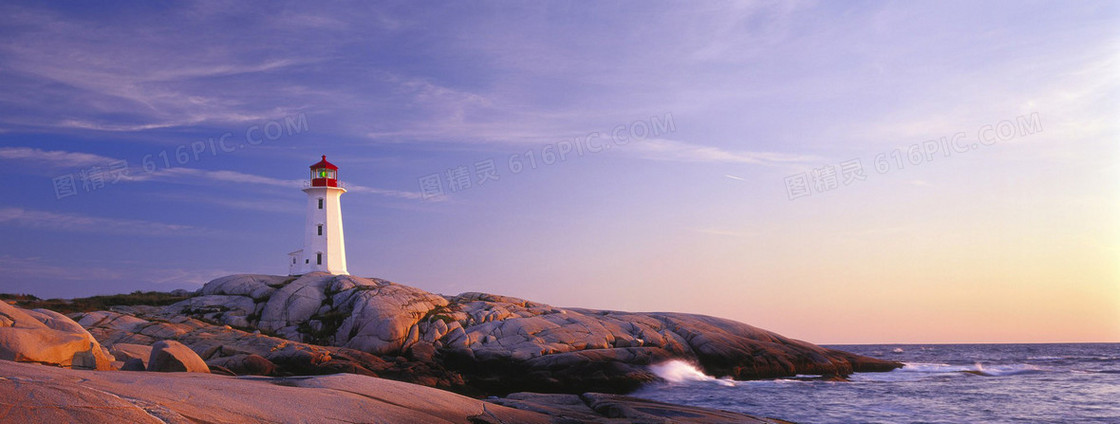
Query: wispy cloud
[
  {"x": 238, "y": 202},
  {"x": 53, "y": 158},
  {"x": 188, "y": 174},
  {"x": 115, "y": 127},
  {"x": 53, "y": 221},
  {"x": 36, "y": 267},
  {"x": 385, "y": 192},
  {"x": 100, "y": 80},
  {"x": 661, "y": 149},
  {"x": 196, "y": 175},
  {"x": 60, "y": 159}
]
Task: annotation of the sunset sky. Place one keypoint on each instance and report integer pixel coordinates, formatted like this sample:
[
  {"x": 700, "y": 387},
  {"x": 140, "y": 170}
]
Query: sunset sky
[{"x": 837, "y": 172}]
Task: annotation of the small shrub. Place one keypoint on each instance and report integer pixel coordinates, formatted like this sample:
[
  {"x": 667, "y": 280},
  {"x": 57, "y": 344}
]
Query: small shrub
[{"x": 100, "y": 303}]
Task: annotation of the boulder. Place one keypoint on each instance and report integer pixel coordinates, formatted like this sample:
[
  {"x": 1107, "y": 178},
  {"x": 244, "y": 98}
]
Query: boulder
[
  {"x": 385, "y": 320},
  {"x": 15, "y": 317},
  {"x": 424, "y": 352},
  {"x": 244, "y": 364},
  {"x": 116, "y": 321},
  {"x": 223, "y": 309},
  {"x": 172, "y": 356},
  {"x": 57, "y": 321},
  {"x": 294, "y": 303},
  {"x": 257, "y": 287},
  {"x": 48, "y": 337},
  {"x": 128, "y": 351}
]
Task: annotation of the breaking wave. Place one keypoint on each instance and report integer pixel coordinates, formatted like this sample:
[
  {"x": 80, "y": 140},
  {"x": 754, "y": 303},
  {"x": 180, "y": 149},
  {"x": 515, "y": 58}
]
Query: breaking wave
[
  {"x": 975, "y": 369},
  {"x": 677, "y": 371}
]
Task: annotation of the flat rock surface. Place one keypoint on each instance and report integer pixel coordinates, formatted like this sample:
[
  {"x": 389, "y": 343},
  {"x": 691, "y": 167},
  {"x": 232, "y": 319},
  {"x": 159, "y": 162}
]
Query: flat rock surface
[{"x": 31, "y": 393}]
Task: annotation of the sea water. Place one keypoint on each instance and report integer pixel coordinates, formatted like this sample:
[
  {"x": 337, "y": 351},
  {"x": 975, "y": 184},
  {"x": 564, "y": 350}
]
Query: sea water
[{"x": 975, "y": 383}]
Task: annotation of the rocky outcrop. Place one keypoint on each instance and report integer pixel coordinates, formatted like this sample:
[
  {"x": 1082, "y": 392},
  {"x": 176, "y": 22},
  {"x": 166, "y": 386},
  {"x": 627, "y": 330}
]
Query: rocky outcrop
[
  {"x": 172, "y": 356},
  {"x": 33, "y": 394},
  {"x": 48, "y": 337},
  {"x": 500, "y": 344},
  {"x": 373, "y": 316},
  {"x": 283, "y": 329},
  {"x": 237, "y": 350}
]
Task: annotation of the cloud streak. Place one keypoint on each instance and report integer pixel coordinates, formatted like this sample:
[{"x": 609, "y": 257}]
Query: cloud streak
[
  {"x": 54, "y": 158},
  {"x": 134, "y": 87},
  {"x": 60, "y": 159},
  {"x": 672, "y": 150},
  {"x": 67, "y": 222},
  {"x": 22, "y": 269},
  {"x": 194, "y": 174}
]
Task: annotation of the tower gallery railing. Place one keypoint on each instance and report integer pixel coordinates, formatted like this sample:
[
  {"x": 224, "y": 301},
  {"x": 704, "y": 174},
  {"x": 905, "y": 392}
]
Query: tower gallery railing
[{"x": 340, "y": 184}]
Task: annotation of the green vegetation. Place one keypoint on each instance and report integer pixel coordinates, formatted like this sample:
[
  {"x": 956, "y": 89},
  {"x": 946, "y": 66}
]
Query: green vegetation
[
  {"x": 15, "y": 298},
  {"x": 330, "y": 322},
  {"x": 440, "y": 313},
  {"x": 447, "y": 319},
  {"x": 94, "y": 303},
  {"x": 283, "y": 283}
]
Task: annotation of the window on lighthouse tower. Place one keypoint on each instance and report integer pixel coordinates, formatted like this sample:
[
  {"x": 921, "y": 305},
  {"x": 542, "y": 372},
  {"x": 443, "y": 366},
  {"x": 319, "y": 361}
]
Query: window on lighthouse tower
[
  {"x": 320, "y": 203},
  {"x": 320, "y": 229},
  {"x": 318, "y": 259}
]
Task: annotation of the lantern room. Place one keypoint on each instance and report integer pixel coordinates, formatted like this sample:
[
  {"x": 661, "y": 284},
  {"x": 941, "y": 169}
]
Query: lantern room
[{"x": 324, "y": 174}]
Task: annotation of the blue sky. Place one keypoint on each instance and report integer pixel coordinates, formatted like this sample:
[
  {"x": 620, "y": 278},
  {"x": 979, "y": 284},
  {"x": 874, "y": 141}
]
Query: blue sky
[{"x": 201, "y": 118}]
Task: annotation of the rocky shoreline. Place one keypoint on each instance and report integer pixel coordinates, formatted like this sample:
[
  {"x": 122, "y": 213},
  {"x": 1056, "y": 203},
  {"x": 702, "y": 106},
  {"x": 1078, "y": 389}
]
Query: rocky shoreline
[
  {"x": 32, "y": 393},
  {"x": 473, "y": 344}
]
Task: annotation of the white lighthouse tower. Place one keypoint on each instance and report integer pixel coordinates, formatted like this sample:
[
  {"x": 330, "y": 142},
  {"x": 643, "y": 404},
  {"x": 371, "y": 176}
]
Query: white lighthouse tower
[{"x": 324, "y": 248}]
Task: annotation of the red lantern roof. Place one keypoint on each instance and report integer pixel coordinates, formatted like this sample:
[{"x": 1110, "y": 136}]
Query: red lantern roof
[{"x": 324, "y": 164}]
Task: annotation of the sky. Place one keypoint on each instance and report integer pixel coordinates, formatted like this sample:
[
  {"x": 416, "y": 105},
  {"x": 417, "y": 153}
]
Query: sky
[{"x": 837, "y": 172}]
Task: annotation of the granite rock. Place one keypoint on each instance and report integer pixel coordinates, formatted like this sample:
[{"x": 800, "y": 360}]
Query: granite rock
[
  {"x": 48, "y": 337},
  {"x": 34, "y": 394},
  {"x": 496, "y": 344},
  {"x": 504, "y": 343},
  {"x": 172, "y": 356}
]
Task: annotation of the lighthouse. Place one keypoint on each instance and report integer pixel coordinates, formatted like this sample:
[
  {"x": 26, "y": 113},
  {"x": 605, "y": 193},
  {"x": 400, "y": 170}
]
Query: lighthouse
[{"x": 324, "y": 248}]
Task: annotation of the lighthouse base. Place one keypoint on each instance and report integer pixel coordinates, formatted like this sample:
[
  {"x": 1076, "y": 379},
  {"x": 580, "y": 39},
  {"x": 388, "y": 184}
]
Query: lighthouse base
[{"x": 299, "y": 265}]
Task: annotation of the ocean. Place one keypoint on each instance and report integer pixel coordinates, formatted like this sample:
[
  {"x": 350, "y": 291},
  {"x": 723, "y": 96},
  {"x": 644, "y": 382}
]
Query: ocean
[{"x": 973, "y": 383}]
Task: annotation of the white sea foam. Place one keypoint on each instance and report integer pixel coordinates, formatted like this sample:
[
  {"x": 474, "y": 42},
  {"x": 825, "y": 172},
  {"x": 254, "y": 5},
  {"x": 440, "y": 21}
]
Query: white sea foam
[
  {"x": 977, "y": 369},
  {"x": 677, "y": 371},
  {"x": 931, "y": 368},
  {"x": 945, "y": 383}
]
